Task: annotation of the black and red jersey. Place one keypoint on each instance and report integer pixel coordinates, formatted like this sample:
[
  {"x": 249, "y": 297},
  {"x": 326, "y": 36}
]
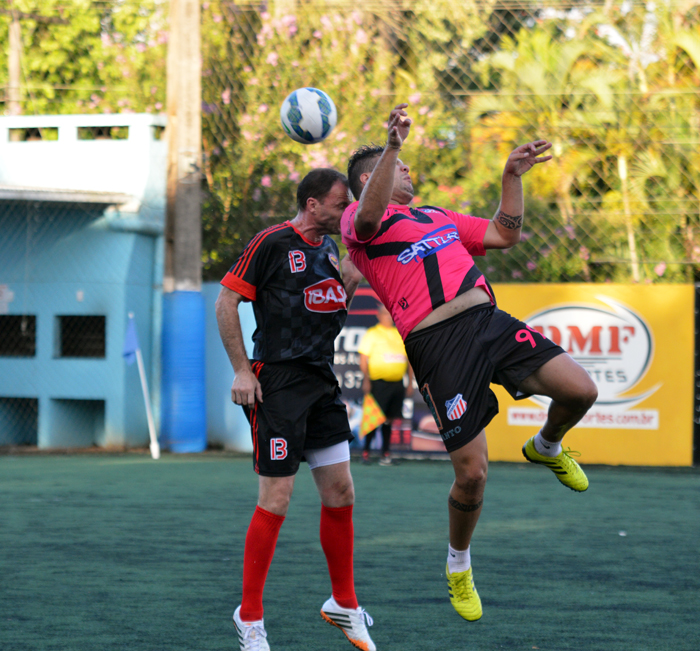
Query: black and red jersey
[{"x": 298, "y": 295}]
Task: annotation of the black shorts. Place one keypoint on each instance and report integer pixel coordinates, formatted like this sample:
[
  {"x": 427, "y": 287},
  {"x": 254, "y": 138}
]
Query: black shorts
[
  {"x": 456, "y": 360},
  {"x": 301, "y": 410},
  {"x": 389, "y": 397}
]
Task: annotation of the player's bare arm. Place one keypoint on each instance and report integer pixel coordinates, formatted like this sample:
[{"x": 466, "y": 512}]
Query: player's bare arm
[
  {"x": 351, "y": 277},
  {"x": 364, "y": 367},
  {"x": 380, "y": 185},
  {"x": 245, "y": 388},
  {"x": 506, "y": 226}
]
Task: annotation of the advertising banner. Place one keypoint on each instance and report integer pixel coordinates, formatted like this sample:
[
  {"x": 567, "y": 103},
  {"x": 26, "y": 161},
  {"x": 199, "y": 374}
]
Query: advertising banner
[{"x": 636, "y": 342}]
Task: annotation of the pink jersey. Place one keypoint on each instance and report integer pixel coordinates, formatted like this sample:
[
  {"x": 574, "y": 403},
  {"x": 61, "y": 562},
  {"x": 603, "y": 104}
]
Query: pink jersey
[{"x": 419, "y": 258}]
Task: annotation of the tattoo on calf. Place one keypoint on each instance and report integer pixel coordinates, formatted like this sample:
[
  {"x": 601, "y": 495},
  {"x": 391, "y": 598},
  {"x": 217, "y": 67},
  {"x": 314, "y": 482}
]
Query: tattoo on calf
[
  {"x": 511, "y": 222},
  {"x": 466, "y": 508}
]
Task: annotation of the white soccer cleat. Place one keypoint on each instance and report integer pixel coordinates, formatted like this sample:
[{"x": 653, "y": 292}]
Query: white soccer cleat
[
  {"x": 352, "y": 621},
  {"x": 251, "y": 635}
]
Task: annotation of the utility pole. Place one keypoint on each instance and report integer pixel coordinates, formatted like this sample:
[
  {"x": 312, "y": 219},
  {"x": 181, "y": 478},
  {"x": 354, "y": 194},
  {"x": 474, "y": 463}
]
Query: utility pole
[
  {"x": 183, "y": 396},
  {"x": 183, "y": 231},
  {"x": 15, "y": 66}
]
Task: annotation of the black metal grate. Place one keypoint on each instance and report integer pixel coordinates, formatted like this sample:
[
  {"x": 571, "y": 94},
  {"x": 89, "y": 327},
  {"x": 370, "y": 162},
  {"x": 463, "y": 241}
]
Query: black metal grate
[
  {"x": 19, "y": 421},
  {"x": 17, "y": 335},
  {"x": 82, "y": 336}
]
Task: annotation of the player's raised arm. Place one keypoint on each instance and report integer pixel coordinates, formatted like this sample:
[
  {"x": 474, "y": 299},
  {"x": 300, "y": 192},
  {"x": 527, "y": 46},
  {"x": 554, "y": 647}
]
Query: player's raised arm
[
  {"x": 380, "y": 185},
  {"x": 506, "y": 226},
  {"x": 246, "y": 387}
]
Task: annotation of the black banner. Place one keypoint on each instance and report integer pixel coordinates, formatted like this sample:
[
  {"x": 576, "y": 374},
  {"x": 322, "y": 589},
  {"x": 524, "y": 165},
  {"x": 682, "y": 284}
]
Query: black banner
[{"x": 417, "y": 432}]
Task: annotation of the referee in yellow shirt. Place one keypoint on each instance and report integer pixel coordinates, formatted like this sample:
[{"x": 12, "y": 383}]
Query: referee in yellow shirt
[{"x": 384, "y": 363}]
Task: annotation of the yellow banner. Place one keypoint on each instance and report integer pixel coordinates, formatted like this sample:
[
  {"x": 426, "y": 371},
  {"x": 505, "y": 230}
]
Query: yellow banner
[{"x": 636, "y": 342}]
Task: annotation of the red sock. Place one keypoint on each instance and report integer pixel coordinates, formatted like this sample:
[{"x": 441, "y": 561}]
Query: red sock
[
  {"x": 260, "y": 543},
  {"x": 337, "y": 536}
]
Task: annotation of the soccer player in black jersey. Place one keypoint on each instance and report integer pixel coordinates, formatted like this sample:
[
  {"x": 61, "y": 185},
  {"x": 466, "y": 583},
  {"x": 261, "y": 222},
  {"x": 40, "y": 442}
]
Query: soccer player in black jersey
[{"x": 290, "y": 394}]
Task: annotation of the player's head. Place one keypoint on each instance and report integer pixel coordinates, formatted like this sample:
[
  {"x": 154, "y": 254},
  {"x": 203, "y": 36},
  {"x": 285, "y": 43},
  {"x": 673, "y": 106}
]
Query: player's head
[
  {"x": 360, "y": 167},
  {"x": 323, "y": 196}
]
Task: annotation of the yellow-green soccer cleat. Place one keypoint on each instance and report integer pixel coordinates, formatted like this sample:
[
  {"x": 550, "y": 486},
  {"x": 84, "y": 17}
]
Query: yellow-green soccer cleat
[
  {"x": 463, "y": 594},
  {"x": 568, "y": 472}
]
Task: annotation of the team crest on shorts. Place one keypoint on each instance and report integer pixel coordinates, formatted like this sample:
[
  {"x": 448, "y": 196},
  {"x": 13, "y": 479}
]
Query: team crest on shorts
[{"x": 456, "y": 407}]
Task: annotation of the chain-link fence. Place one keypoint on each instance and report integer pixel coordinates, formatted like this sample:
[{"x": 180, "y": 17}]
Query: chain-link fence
[
  {"x": 612, "y": 85},
  {"x": 69, "y": 272},
  {"x": 36, "y": 235},
  {"x": 82, "y": 56},
  {"x": 81, "y": 224},
  {"x": 18, "y": 413}
]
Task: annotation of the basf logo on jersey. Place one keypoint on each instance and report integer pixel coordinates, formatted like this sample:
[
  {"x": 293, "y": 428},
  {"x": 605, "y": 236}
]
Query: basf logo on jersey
[
  {"x": 325, "y": 296},
  {"x": 615, "y": 345}
]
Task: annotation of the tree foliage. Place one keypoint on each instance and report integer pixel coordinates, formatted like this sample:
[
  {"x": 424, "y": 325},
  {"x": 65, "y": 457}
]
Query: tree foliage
[
  {"x": 603, "y": 84},
  {"x": 80, "y": 56},
  {"x": 613, "y": 86}
]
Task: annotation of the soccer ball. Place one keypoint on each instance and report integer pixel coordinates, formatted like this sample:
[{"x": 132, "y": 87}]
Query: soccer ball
[{"x": 308, "y": 115}]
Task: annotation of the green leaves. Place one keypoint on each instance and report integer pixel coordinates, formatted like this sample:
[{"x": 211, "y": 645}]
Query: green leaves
[
  {"x": 480, "y": 79},
  {"x": 91, "y": 57}
]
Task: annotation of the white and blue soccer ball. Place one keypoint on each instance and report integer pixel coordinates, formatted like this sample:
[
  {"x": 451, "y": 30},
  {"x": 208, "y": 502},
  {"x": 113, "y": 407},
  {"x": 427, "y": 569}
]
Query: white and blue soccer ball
[{"x": 308, "y": 115}]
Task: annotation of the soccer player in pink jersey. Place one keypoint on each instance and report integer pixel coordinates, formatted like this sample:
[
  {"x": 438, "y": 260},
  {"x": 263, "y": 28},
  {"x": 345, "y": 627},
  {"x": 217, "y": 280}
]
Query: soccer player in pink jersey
[{"x": 420, "y": 263}]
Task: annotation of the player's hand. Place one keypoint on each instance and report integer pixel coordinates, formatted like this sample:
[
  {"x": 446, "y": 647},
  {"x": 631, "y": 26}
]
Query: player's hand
[
  {"x": 246, "y": 389},
  {"x": 522, "y": 159},
  {"x": 409, "y": 390},
  {"x": 398, "y": 127}
]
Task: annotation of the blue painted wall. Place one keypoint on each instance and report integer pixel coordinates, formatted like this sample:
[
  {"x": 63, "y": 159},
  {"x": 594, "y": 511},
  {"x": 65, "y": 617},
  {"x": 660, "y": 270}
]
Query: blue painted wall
[
  {"x": 77, "y": 267},
  {"x": 82, "y": 257},
  {"x": 226, "y": 422}
]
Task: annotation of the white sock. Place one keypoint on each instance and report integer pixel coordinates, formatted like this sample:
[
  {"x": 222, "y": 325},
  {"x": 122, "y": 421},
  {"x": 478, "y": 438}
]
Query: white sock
[
  {"x": 546, "y": 448},
  {"x": 458, "y": 561}
]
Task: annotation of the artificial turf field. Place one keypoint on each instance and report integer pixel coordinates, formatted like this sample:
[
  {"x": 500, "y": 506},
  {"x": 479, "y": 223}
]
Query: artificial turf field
[{"x": 119, "y": 552}]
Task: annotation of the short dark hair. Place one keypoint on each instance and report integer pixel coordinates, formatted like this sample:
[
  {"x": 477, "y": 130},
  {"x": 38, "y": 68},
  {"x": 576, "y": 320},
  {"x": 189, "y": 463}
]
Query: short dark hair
[
  {"x": 317, "y": 184},
  {"x": 362, "y": 160}
]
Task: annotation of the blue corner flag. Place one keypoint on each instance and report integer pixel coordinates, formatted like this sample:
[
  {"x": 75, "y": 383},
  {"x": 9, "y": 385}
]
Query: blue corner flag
[{"x": 131, "y": 341}]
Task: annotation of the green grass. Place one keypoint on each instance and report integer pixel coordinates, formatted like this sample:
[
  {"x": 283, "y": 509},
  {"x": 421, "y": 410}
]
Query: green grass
[{"x": 118, "y": 552}]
